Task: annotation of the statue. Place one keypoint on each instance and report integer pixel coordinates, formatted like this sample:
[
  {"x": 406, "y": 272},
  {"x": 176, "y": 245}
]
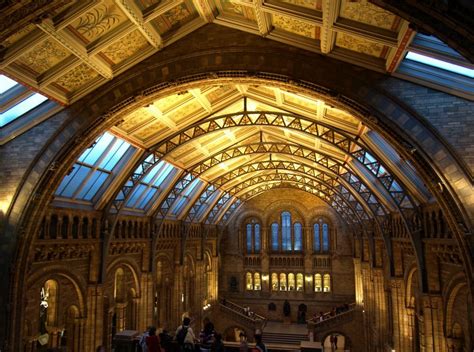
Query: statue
[{"x": 286, "y": 308}]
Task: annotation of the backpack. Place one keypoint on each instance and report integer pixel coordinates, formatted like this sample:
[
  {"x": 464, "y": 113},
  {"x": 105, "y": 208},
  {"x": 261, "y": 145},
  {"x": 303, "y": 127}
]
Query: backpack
[
  {"x": 142, "y": 342},
  {"x": 182, "y": 335}
]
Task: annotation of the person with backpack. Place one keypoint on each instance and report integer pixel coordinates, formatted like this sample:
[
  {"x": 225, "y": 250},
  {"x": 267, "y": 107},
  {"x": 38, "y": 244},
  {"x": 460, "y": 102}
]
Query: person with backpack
[{"x": 185, "y": 336}]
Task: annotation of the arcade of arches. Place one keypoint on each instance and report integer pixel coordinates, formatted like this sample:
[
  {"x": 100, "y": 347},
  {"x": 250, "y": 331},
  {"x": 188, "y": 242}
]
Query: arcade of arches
[{"x": 160, "y": 156}]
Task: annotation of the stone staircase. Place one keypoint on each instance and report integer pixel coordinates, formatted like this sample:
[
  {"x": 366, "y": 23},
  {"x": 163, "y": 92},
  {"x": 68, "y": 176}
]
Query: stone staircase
[
  {"x": 283, "y": 338},
  {"x": 331, "y": 321},
  {"x": 237, "y": 313}
]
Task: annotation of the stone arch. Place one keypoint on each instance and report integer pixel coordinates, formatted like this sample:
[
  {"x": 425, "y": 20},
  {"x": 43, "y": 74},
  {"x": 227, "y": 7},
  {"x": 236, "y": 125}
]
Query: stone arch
[
  {"x": 409, "y": 289},
  {"x": 347, "y": 340},
  {"x": 274, "y": 210},
  {"x": 456, "y": 314},
  {"x": 375, "y": 106},
  {"x": 232, "y": 331},
  {"x": 130, "y": 265}
]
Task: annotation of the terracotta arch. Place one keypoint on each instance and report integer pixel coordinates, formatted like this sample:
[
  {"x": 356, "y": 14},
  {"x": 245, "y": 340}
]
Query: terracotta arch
[{"x": 342, "y": 85}]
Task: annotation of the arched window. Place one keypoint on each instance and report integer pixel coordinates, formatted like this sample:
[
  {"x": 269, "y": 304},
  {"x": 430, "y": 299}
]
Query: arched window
[
  {"x": 327, "y": 282},
  {"x": 318, "y": 284},
  {"x": 275, "y": 245},
  {"x": 286, "y": 231},
  {"x": 325, "y": 237},
  {"x": 316, "y": 238},
  {"x": 249, "y": 238},
  {"x": 291, "y": 282},
  {"x": 275, "y": 282},
  {"x": 249, "y": 282},
  {"x": 253, "y": 237},
  {"x": 299, "y": 282},
  {"x": 257, "y": 245},
  {"x": 256, "y": 282},
  {"x": 283, "y": 282},
  {"x": 119, "y": 287},
  {"x": 298, "y": 244}
]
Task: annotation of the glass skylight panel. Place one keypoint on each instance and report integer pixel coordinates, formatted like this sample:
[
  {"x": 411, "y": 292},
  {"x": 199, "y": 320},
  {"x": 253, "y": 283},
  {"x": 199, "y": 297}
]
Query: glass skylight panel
[
  {"x": 461, "y": 70},
  {"x": 114, "y": 155},
  {"x": 165, "y": 172},
  {"x": 93, "y": 168},
  {"x": 21, "y": 108},
  {"x": 71, "y": 182},
  {"x": 6, "y": 83},
  {"x": 92, "y": 154}
]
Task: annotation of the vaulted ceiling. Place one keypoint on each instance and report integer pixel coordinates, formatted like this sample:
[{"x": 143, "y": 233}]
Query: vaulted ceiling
[
  {"x": 238, "y": 139},
  {"x": 83, "y": 44}
]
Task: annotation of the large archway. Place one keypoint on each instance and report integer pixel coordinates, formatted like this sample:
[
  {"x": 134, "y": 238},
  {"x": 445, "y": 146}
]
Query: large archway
[{"x": 277, "y": 67}]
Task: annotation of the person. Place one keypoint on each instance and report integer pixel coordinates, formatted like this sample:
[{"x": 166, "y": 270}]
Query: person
[
  {"x": 259, "y": 345},
  {"x": 185, "y": 336},
  {"x": 218, "y": 345},
  {"x": 244, "y": 346},
  {"x": 165, "y": 340},
  {"x": 142, "y": 341},
  {"x": 335, "y": 342},
  {"x": 206, "y": 337},
  {"x": 321, "y": 316},
  {"x": 153, "y": 341},
  {"x": 331, "y": 339}
]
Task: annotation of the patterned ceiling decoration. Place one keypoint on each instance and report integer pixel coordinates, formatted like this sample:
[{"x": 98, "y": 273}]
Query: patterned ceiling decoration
[
  {"x": 86, "y": 43},
  {"x": 233, "y": 140}
]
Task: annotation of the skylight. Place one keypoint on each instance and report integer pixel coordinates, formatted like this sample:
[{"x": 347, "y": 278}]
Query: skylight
[
  {"x": 151, "y": 186},
  {"x": 93, "y": 168},
  {"x": 461, "y": 70},
  {"x": 6, "y": 83}
]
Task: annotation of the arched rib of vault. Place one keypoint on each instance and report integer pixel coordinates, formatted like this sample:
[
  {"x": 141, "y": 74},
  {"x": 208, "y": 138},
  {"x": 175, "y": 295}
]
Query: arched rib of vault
[
  {"x": 347, "y": 87},
  {"x": 339, "y": 139},
  {"x": 320, "y": 173},
  {"x": 337, "y": 204},
  {"x": 252, "y": 180}
]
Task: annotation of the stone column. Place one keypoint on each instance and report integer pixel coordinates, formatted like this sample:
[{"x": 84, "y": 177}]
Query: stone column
[{"x": 94, "y": 329}]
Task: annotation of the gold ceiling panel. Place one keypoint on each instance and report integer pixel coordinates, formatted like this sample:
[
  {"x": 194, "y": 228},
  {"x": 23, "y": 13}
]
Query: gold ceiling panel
[
  {"x": 360, "y": 45},
  {"x": 176, "y": 17},
  {"x": 365, "y": 12},
  {"x": 151, "y": 129},
  {"x": 145, "y": 4},
  {"x": 242, "y": 12},
  {"x": 221, "y": 93},
  {"x": 130, "y": 45},
  {"x": 43, "y": 56},
  {"x": 76, "y": 78},
  {"x": 295, "y": 26},
  {"x": 98, "y": 21},
  {"x": 309, "y": 4},
  {"x": 262, "y": 90},
  {"x": 184, "y": 112},
  {"x": 137, "y": 118},
  {"x": 14, "y": 38},
  {"x": 341, "y": 117},
  {"x": 304, "y": 104},
  {"x": 172, "y": 101}
]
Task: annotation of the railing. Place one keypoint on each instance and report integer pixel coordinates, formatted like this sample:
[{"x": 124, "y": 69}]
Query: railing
[
  {"x": 329, "y": 319},
  {"x": 239, "y": 313}
]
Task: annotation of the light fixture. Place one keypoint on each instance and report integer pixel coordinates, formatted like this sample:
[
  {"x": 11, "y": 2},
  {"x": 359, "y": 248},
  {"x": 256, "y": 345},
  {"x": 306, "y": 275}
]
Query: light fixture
[
  {"x": 265, "y": 277},
  {"x": 309, "y": 278}
]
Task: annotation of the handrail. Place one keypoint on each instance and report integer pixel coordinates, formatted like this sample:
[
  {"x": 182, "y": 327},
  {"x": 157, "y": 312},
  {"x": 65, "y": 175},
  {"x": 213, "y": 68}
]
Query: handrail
[
  {"x": 241, "y": 310},
  {"x": 256, "y": 321},
  {"x": 328, "y": 317}
]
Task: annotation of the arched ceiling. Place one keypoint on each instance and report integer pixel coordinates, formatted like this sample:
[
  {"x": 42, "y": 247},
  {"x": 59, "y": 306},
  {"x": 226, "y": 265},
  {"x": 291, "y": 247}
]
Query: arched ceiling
[
  {"x": 233, "y": 141},
  {"x": 78, "y": 46}
]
